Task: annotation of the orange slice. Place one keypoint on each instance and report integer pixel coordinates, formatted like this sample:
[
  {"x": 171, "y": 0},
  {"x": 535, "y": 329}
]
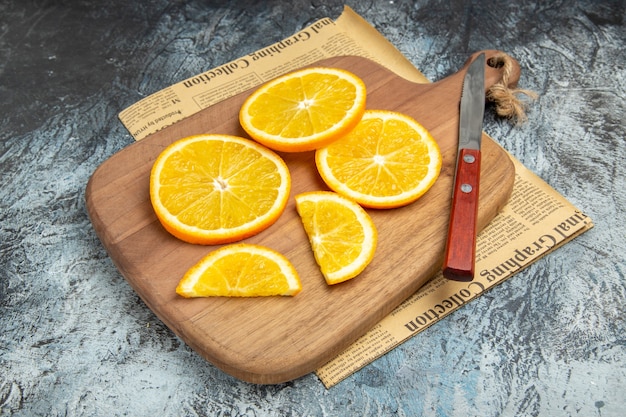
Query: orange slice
[
  {"x": 214, "y": 189},
  {"x": 389, "y": 160},
  {"x": 240, "y": 270},
  {"x": 342, "y": 234},
  {"x": 305, "y": 109}
]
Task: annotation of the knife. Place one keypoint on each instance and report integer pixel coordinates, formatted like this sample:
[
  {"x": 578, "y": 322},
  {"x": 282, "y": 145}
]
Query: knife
[{"x": 459, "y": 259}]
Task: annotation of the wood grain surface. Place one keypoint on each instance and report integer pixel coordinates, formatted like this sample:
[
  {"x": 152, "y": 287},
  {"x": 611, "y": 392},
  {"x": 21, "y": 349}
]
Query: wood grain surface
[{"x": 275, "y": 339}]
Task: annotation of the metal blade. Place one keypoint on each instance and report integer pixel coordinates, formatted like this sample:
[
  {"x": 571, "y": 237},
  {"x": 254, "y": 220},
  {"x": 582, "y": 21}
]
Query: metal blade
[{"x": 472, "y": 105}]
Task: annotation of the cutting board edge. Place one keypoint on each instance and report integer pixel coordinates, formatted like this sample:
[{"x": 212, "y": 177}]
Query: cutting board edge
[{"x": 288, "y": 369}]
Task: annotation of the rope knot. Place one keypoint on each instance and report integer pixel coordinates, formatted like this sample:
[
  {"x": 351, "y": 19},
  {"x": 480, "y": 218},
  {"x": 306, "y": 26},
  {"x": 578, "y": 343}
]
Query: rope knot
[{"x": 508, "y": 101}]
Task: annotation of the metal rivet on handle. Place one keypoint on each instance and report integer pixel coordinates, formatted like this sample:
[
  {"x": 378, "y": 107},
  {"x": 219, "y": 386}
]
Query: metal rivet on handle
[
  {"x": 469, "y": 158},
  {"x": 466, "y": 188}
]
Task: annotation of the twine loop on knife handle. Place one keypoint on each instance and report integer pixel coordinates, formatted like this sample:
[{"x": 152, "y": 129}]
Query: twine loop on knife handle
[{"x": 507, "y": 100}]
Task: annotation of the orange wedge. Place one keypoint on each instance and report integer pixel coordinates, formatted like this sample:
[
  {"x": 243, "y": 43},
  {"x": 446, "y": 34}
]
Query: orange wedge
[
  {"x": 214, "y": 189},
  {"x": 389, "y": 160},
  {"x": 342, "y": 235},
  {"x": 305, "y": 109},
  {"x": 240, "y": 270}
]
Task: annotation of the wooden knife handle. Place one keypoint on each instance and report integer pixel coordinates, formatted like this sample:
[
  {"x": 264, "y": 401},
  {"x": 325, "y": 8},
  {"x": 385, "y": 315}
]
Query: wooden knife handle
[{"x": 460, "y": 253}]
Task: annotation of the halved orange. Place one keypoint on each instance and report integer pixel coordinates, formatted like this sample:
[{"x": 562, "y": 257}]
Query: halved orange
[
  {"x": 342, "y": 235},
  {"x": 214, "y": 189},
  {"x": 388, "y": 160},
  {"x": 305, "y": 109},
  {"x": 240, "y": 270}
]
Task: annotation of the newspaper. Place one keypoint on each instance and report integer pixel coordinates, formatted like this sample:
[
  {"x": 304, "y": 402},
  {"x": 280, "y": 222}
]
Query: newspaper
[{"x": 535, "y": 221}]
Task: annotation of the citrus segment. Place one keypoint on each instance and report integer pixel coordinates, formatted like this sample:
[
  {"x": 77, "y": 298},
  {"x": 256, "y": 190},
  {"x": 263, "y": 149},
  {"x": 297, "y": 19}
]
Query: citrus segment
[
  {"x": 388, "y": 160},
  {"x": 214, "y": 189},
  {"x": 240, "y": 270},
  {"x": 305, "y": 109},
  {"x": 342, "y": 235}
]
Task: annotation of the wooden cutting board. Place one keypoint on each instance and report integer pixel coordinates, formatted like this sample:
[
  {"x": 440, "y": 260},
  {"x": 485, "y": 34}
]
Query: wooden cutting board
[{"x": 275, "y": 339}]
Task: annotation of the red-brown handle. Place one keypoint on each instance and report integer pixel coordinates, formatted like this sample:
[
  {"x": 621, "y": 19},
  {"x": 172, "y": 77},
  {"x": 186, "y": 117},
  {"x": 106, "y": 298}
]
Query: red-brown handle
[{"x": 460, "y": 254}]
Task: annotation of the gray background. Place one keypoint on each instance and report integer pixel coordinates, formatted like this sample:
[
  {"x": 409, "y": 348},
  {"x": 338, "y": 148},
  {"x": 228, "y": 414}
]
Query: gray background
[{"x": 75, "y": 340}]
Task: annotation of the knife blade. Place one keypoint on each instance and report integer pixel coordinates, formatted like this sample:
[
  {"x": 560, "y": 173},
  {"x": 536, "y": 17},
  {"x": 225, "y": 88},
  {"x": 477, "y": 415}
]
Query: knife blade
[{"x": 460, "y": 254}]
